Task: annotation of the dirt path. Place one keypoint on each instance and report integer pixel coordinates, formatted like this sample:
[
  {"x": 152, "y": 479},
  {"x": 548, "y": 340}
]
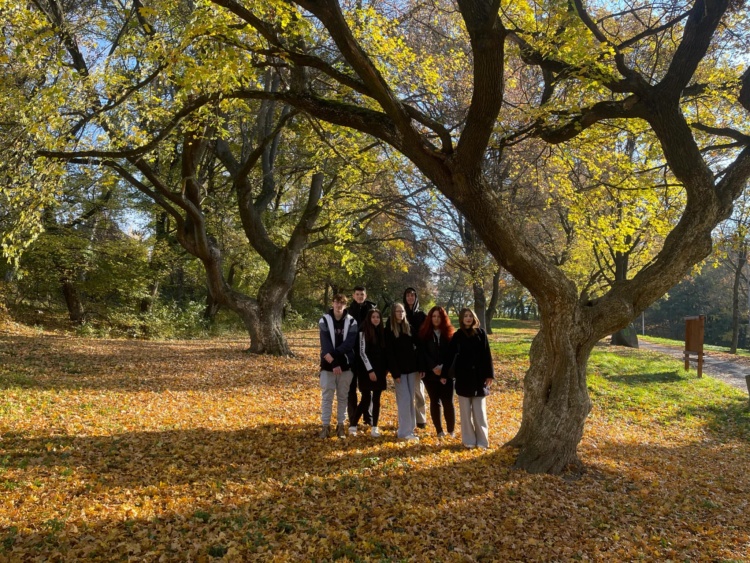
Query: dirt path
[{"x": 728, "y": 368}]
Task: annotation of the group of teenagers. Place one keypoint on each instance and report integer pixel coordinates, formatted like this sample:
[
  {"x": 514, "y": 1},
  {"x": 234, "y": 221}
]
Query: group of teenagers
[{"x": 421, "y": 351}]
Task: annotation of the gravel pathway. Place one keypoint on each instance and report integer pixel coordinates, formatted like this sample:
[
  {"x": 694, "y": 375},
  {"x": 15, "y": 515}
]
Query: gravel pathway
[{"x": 728, "y": 368}]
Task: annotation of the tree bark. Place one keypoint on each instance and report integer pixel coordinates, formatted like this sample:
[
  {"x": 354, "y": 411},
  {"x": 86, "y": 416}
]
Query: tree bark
[
  {"x": 741, "y": 260},
  {"x": 147, "y": 303},
  {"x": 268, "y": 337},
  {"x": 556, "y": 400},
  {"x": 625, "y": 336},
  {"x": 492, "y": 306},
  {"x": 76, "y": 312},
  {"x": 480, "y": 304}
]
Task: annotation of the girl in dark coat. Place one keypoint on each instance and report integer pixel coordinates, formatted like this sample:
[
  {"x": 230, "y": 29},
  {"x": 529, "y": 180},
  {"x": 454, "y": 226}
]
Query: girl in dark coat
[
  {"x": 403, "y": 364},
  {"x": 473, "y": 370},
  {"x": 435, "y": 335},
  {"x": 371, "y": 368}
]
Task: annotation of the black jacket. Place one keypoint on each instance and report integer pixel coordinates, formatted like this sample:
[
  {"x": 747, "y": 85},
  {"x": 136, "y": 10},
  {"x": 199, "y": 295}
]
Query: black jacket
[
  {"x": 434, "y": 353},
  {"x": 413, "y": 314},
  {"x": 473, "y": 362},
  {"x": 401, "y": 353},
  {"x": 359, "y": 312},
  {"x": 371, "y": 356}
]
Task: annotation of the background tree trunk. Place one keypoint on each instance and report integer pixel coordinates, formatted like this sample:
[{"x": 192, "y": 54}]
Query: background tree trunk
[
  {"x": 627, "y": 336},
  {"x": 76, "y": 312},
  {"x": 480, "y": 304},
  {"x": 492, "y": 306},
  {"x": 741, "y": 260}
]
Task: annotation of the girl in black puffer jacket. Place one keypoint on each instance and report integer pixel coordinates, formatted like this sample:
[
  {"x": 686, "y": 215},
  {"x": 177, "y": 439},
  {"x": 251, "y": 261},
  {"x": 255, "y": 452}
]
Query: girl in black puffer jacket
[
  {"x": 435, "y": 336},
  {"x": 469, "y": 353}
]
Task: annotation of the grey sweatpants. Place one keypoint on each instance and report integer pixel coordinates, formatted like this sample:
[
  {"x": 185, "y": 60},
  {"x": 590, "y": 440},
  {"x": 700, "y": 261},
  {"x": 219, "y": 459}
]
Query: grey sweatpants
[
  {"x": 407, "y": 413},
  {"x": 330, "y": 385},
  {"x": 419, "y": 402},
  {"x": 474, "y": 428}
]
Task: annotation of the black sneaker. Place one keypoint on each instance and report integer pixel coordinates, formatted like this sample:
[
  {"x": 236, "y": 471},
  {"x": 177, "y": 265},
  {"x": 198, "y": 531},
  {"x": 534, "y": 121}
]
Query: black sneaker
[
  {"x": 325, "y": 431},
  {"x": 340, "y": 431}
]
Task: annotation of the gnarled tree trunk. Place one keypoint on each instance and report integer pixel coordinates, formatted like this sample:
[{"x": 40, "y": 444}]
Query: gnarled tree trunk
[{"x": 556, "y": 400}]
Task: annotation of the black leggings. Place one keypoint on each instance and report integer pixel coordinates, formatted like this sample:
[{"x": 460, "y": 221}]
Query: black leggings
[
  {"x": 441, "y": 394},
  {"x": 364, "y": 406},
  {"x": 352, "y": 408}
]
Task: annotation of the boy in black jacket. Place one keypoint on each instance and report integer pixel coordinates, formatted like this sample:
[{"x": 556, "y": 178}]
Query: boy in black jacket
[
  {"x": 338, "y": 335},
  {"x": 358, "y": 309}
]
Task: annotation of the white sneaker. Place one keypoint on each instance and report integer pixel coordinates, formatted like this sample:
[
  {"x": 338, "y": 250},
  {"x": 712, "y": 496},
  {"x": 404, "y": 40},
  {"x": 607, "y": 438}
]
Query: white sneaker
[
  {"x": 353, "y": 430},
  {"x": 411, "y": 438},
  {"x": 375, "y": 432},
  {"x": 441, "y": 434}
]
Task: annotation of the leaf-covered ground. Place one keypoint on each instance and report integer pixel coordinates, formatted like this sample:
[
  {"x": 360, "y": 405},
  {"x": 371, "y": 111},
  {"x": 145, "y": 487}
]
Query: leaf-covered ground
[{"x": 194, "y": 450}]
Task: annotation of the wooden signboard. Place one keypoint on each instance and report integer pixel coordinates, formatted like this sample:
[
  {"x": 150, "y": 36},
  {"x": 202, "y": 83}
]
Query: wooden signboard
[{"x": 694, "y": 328}]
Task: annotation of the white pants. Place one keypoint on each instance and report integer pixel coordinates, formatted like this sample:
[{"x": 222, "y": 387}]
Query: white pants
[
  {"x": 407, "y": 415},
  {"x": 474, "y": 428},
  {"x": 330, "y": 385},
  {"x": 420, "y": 403}
]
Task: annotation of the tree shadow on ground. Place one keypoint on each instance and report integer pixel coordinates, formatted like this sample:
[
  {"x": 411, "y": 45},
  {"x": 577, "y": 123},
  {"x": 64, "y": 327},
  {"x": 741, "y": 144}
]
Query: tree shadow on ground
[
  {"x": 51, "y": 362},
  {"x": 328, "y": 500},
  {"x": 177, "y": 457},
  {"x": 647, "y": 378}
]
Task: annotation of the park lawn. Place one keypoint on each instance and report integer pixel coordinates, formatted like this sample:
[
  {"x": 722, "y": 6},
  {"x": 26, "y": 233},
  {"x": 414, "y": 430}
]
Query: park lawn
[{"x": 119, "y": 450}]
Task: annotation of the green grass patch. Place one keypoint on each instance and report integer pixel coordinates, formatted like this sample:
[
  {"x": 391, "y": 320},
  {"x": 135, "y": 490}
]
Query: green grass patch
[
  {"x": 511, "y": 349},
  {"x": 644, "y": 389},
  {"x": 514, "y": 325}
]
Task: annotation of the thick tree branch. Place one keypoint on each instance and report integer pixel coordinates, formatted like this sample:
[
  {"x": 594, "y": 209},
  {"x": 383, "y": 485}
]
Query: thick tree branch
[
  {"x": 330, "y": 15},
  {"x": 744, "y": 97},
  {"x": 650, "y": 32},
  {"x": 738, "y": 136},
  {"x": 627, "y": 108},
  {"x": 143, "y": 188},
  {"x": 487, "y": 37},
  {"x": 312, "y": 210},
  {"x": 703, "y": 19}
]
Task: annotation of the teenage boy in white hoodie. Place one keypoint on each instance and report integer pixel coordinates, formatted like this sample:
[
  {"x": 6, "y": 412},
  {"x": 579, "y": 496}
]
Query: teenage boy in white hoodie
[{"x": 338, "y": 336}]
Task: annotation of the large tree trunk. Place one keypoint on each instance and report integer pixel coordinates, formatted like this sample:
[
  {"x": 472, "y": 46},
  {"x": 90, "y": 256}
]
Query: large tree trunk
[
  {"x": 267, "y": 337},
  {"x": 556, "y": 400}
]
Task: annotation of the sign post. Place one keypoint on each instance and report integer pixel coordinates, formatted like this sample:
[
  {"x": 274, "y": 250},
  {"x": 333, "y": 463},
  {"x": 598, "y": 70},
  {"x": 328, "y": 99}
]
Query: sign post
[{"x": 694, "y": 328}]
